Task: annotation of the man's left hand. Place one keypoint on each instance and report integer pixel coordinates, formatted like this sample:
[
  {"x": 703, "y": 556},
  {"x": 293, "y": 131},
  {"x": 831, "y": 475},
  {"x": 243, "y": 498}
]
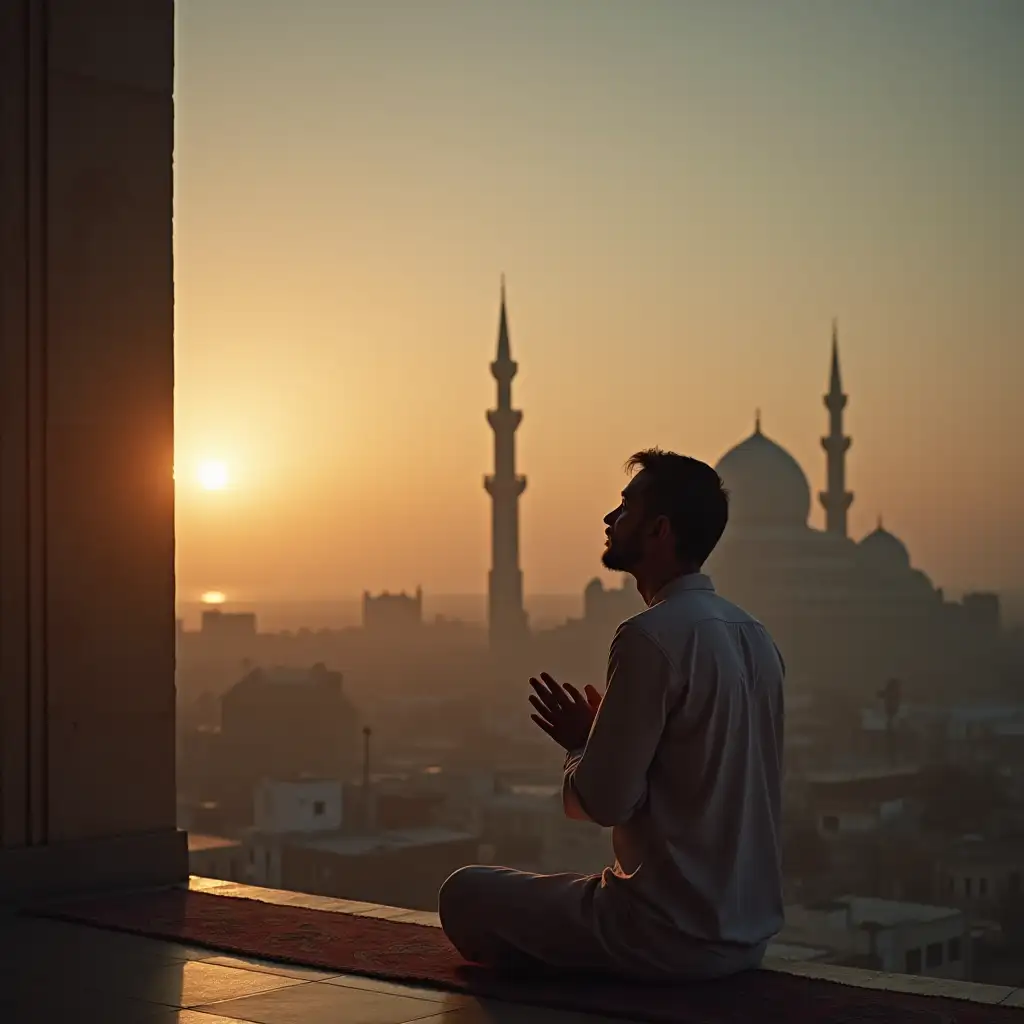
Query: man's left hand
[{"x": 564, "y": 713}]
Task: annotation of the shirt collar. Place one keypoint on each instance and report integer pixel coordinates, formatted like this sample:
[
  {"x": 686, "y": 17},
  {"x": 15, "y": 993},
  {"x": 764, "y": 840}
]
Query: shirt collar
[{"x": 688, "y": 581}]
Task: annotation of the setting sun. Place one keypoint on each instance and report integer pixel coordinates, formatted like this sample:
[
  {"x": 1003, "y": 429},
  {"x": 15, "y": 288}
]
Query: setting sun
[
  {"x": 213, "y": 475},
  {"x": 214, "y": 597}
]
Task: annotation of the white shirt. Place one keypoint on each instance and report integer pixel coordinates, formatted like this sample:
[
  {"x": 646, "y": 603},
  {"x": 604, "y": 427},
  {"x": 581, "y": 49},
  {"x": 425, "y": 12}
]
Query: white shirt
[{"x": 684, "y": 763}]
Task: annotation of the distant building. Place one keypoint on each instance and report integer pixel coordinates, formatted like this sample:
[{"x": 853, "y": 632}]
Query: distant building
[
  {"x": 860, "y": 800},
  {"x": 862, "y": 834},
  {"x": 982, "y": 610},
  {"x": 284, "y": 723},
  {"x": 882, "y": 935},
  {"x": 982, "y": 876},
  {"x": 228, "y": 626},
  {"x": 392, "y": 613},
  {"x": 309, "y": 837},
  {"x": 604, "y": 608},
  {"x": 578, "y": 649},
  {"x": 402, "y": 868},
  {"x": 298, "y": 805}
]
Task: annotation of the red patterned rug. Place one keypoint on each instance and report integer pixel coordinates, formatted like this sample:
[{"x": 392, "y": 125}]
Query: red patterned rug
[{"x": 396, "y": 951}]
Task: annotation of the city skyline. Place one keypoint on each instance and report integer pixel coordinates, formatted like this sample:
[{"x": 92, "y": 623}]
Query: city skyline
[{"x": 673, "y": 268}]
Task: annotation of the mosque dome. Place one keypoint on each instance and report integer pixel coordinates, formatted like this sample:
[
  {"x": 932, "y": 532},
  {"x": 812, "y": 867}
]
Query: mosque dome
[
  {"x": 884, "y": 550},
  {"x": 766, "y": 485}
]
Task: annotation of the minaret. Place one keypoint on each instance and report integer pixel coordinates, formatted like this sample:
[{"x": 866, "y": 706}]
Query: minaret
[
  {"x": 506, "y": 615},
  {"x": 836, "y": 500}
]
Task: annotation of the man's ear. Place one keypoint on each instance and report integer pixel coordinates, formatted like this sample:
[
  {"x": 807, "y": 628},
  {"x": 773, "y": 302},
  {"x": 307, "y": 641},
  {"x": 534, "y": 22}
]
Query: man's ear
[{"x": 661, "y": 529}]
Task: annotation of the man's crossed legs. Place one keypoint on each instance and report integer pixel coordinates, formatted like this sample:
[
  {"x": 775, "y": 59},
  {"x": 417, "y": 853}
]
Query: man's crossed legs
[{"x": 521, "y": 922}]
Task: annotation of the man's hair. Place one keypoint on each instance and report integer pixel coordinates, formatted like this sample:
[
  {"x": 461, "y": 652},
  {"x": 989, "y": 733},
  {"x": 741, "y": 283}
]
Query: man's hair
[{"x": 690, "y": 494}]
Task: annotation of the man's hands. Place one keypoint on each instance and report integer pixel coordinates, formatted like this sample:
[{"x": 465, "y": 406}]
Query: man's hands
[{"x": 564, "y": 713}]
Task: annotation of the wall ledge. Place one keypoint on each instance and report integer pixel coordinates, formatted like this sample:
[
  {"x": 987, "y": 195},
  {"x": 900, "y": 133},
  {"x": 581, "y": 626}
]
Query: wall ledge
[
  {"x": 968, "y": 991},
  {"x": 138, "y": 860}
]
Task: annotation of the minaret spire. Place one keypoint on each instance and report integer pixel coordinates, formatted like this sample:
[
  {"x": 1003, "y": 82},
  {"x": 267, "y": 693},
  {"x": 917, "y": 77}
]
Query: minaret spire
[
  {"x": 506, "y": 614},
  {"x": 835, "y": 380},
  {"x": 504, "y": 349},
  {"x": 836, "y": 499}
]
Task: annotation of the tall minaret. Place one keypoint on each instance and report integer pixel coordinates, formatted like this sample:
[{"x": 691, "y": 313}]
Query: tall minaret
[
  {"x": 837, "y": 499},
  {"x": 506, "y": 615}
]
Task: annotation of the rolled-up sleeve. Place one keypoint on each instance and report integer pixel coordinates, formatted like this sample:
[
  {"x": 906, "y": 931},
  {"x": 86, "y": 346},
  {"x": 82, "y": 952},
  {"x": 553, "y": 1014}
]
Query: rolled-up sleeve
[{"x": 608, "y": 779}]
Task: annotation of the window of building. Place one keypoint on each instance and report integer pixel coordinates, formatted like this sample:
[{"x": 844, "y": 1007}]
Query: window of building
[
  {"x": 967, "y": 886},
  {"x": 1013, "y": 883},
  {"x": 955, "y": 950},
  {"x": 830, "y": 823},
  {"x": 913, "y": 961},
  {"x": 982, "y": 886},
  {"x": 933, "y": 954},
  {"x": 318, "y": 809}
]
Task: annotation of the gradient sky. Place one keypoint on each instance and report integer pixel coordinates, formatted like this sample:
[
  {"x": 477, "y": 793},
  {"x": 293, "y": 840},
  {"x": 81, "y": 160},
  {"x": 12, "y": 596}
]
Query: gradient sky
[{"x": 682, "y": 195}]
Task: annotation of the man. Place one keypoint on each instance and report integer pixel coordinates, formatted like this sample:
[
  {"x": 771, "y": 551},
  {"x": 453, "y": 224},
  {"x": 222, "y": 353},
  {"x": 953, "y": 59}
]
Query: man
[{"x": 681, "y": 759}]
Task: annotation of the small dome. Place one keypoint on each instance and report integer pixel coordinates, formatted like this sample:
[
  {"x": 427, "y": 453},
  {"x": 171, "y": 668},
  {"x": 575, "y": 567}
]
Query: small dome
[
  {"x": 884, "y": 550},
  {"x": 766, "y": 485}
]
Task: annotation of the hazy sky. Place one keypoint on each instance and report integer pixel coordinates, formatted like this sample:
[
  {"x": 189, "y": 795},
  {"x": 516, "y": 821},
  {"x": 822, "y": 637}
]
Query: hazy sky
[{"x": 681, "y": 194}]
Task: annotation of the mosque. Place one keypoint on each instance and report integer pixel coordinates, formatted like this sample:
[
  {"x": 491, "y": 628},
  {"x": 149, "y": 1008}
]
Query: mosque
[
  {"x": 848, "y": 615},
  {"x": 843, "y": 611}
]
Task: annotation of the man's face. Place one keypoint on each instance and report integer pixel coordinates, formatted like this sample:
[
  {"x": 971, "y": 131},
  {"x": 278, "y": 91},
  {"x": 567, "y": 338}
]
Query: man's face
[{"x": 626, "y": 529}]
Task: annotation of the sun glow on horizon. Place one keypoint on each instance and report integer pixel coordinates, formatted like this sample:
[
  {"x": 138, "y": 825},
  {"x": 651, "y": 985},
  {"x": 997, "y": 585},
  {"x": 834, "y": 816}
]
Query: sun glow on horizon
[
  {"x": 214, "y": 597},
  {"x": 212, "y": 475}
]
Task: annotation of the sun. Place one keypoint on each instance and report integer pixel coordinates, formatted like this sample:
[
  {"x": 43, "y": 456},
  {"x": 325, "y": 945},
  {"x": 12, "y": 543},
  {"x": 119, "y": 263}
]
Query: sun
[
  {"x": 213, "y": 475},
  {"x": 214, "y": 597}
]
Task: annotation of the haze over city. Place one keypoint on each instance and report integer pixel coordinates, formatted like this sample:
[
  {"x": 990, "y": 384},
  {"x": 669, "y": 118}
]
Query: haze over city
[
  {"x": 512, "y": 508},
  {"x": 681, "y": 196}
]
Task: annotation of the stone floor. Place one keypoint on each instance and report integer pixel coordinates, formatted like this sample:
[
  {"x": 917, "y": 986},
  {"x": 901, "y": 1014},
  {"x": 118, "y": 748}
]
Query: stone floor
[{"x": 57, "y": 973}]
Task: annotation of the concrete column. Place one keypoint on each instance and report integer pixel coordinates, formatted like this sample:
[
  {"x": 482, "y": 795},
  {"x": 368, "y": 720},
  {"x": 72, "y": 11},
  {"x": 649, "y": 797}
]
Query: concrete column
[{"x": 87, "y": 628}]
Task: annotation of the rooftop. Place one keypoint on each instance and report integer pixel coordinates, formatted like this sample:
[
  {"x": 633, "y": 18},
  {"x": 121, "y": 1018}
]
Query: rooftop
[
  {"x": 355, "y": 846},
  {"x": 889, "y": 913},
  {"x": 198, "y": 842},
  {"x": 862, "y": 773},
  {"x": 56, "y": 971}
]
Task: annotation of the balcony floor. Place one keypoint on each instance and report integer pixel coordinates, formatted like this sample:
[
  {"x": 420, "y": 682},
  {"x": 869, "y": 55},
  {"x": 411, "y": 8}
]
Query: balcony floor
[{"x": 52, "y": 971}]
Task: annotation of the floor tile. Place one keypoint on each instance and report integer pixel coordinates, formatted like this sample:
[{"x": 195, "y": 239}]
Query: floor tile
[
  {"x": 201, "y": 1017},
  {"x": 449, "y": 999},
  {"x": 387, "y": 913},
  {"x": 321, "y": 1003},
  {"x": 331, "y": 904},
  {"x": 197, "y": 883},
  {"x": 491, "y": 1012},
  {"x": 186, "y": 984},
  {"x": 312, "y": 901},
  {"x": 429, "y": 918},
  {"x": 56, "y": 1004},
  {"x": 246, "y": 963},
  {"x": 30, "y": 934},
  {"x": 942, "y": 987}
]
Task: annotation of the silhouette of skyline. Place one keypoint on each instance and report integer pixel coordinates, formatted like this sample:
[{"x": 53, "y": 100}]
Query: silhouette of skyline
[{"x": 677, "y": 234}]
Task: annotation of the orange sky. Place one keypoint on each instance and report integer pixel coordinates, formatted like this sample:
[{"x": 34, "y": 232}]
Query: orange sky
[{"x": 682, "y": 196}]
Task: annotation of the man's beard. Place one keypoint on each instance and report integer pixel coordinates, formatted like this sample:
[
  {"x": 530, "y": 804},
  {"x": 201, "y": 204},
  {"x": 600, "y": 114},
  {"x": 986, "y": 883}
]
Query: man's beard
[{"x": 621, "y": 556}]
